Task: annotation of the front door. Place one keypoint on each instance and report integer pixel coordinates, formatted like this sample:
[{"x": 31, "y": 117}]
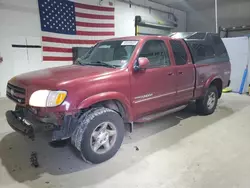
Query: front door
[
  {"x": 154, "y": 88},
  {"x": 185, "y": 72}
]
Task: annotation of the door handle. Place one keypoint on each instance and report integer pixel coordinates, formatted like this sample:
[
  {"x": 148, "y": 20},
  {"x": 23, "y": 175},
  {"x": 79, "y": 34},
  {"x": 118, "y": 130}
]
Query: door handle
[
  {"x": 180, "y": 72},
  {"x": 170, "y": 73}
]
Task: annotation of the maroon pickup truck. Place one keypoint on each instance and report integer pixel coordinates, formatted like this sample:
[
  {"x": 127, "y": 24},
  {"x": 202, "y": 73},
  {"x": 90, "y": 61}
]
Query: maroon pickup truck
[{"x": 119, "y": 81}]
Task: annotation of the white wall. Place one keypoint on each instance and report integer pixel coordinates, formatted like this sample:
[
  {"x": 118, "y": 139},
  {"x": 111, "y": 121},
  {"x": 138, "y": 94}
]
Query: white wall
[
  {"x": 239, "y": 58},
  {"x": 20, "y": 24},
  {"x": 232, "y": 14}
]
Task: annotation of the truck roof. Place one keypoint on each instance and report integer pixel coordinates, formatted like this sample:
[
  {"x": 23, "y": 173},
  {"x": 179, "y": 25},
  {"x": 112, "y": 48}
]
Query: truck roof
[{"x": 146, "y": 37}]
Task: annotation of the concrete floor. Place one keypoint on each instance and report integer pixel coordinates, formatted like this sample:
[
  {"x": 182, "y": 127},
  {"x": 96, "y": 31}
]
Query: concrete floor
[{"x": 178, "y": 151}]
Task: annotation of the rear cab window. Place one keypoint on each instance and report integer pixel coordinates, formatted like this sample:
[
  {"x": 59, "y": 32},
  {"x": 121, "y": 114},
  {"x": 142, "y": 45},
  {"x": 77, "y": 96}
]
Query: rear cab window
[{"x": 180, "y": 54}]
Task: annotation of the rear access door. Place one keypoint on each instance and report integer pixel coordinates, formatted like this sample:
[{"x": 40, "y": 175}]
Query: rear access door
[{"x": 185, "y": 71}]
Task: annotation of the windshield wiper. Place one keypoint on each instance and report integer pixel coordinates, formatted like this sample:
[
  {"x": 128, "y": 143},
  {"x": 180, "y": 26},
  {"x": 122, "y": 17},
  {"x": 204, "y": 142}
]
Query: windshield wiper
[
  {"x": 100, "y": 63},
  {"x": 96, "y": 63}
]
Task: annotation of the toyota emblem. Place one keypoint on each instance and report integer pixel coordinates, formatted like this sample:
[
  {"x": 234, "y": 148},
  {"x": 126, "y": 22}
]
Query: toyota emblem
[{"x": 12, "y": 92}]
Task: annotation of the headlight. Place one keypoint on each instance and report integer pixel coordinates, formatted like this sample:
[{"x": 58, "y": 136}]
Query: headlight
[{"x": 46, "y": 98}]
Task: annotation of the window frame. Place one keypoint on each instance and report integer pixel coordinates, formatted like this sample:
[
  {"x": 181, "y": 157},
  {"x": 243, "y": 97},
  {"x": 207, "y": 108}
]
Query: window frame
[
  {"x": 206, "y": 57},
  {"x": 185, "y": 49},
  {"x": 167, "y": 54},
  {"x": 216, "y": 45}
]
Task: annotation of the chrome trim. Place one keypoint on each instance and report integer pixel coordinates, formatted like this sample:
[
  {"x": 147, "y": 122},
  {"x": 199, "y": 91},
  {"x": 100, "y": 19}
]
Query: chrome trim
[
  {"x": 144, "y": 96},
  {"x": 201, "y": 86},
  {"x": 155, "y": 97},
  {"x": 185, "y": 89}
]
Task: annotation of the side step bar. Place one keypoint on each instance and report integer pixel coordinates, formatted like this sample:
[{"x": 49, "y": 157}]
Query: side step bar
[{"x": 160, "y": 114}]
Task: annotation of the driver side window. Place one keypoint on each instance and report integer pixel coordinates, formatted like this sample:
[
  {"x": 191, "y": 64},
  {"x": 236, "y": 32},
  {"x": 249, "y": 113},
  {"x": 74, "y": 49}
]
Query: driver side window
[{"x": 156, "y": 52}]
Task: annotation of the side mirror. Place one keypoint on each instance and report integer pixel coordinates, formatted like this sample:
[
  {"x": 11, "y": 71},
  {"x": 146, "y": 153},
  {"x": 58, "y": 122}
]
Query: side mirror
[{"x": 141, "y": 64}]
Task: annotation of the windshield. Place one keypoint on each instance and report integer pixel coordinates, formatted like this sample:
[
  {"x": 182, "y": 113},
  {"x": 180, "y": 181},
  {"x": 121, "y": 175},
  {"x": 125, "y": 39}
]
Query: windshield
[{"x": 110, "y": 54}]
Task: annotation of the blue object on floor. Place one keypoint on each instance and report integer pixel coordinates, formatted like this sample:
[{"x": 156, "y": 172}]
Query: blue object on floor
[{"x": 243, "y": 80}]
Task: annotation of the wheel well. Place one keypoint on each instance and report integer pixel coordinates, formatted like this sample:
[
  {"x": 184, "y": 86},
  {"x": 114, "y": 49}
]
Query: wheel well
[
  {"x": 114, "y": 105},
  {"x": 218, "y": 84}
]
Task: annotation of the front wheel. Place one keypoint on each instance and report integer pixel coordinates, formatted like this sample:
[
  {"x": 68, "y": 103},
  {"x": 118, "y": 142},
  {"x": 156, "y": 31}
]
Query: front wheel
[
  {"x": 208, "y": 103},
  {"x": 18, "y": 108},
  {"x": 102, "y": 136}
]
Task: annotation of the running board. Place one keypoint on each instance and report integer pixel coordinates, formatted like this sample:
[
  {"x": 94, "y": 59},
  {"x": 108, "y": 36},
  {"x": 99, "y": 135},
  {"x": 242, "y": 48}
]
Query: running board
[{"x": 160, "y": 114}]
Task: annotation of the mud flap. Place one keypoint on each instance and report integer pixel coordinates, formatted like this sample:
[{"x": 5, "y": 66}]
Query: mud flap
[{"x": 66, "y": 129}]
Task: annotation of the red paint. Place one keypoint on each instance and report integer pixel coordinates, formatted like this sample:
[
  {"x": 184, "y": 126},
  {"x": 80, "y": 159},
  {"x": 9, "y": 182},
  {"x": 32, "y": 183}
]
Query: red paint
[
  {"x": 87, "y": 85},
  {"x": 55, "y": 49},
  {"x": 51, "y": 58},
  {"x": 95, "y": 33},
  {"x": 143, "y": 62},
  {"x": 93, "y": 7},
  {"x": 68, "y": 41},
  {"x": 101, "y": 25}
]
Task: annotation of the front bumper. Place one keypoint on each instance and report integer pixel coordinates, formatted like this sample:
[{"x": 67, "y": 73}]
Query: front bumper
[
  {"x": 26, "y": 123},
  {"x": 19, "y": 125}
]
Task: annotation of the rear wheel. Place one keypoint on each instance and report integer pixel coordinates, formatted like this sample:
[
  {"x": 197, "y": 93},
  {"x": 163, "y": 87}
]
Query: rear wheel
[
  {"x": 102, "y": 135},
  {"x": 208, "y": 103}
]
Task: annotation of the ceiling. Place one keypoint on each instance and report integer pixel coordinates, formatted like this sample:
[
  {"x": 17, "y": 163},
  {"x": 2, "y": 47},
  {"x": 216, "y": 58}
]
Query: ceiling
[{"x": 195, "y": 5}]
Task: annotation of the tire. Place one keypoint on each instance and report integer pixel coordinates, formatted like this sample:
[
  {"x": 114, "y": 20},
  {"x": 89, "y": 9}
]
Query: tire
[
  {"x": 91, "y": 133},
  {"x": 203, "y": 105},
  {"x": 18, "y": 108}
]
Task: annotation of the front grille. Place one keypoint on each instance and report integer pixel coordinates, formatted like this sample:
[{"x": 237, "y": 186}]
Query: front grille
[{"x": 16, "y": 94}]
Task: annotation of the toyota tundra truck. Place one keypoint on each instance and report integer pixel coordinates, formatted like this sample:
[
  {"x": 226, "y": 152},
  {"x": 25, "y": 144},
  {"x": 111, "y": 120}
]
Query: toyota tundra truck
[{"x": 119, "y": 81}]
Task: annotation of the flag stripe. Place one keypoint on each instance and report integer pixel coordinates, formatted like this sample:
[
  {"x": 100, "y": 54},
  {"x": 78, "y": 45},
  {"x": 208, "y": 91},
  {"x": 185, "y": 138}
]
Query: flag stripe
[
  {"x": 68, "y": 41},
  {"x": 55, "y": 64},
  {"x": 101, "y": 25},
  {"x": 89, "y": 33},
  {"x": 95, "y": 16},
  {"x": 87, "y": 11},
  {"x": 54, "y": 49},
  {"x": 62, "y": 45},
  {"x": 93, "y": 7},
  {"x": 57, "y": 54},
  {"x": 79, "y": 37},
  {"x": 50, "y": 58},
  {"x": 89, "y": 20},
  {"x": 98, "y": 29}
]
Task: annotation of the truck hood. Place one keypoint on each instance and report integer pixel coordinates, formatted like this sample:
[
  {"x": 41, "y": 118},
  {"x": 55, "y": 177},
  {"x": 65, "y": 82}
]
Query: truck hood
[{"x": 53, "y": 77}]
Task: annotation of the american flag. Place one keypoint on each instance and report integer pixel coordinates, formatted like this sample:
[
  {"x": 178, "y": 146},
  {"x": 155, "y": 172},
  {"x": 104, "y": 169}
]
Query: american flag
[{"x": 67, "y": 24}]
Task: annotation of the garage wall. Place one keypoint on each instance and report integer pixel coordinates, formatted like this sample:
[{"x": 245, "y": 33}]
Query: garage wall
[
  {"x": 20, "y": 24},
  {"x": 239, "y": 58},
  {"x": 230, "y": 14}
]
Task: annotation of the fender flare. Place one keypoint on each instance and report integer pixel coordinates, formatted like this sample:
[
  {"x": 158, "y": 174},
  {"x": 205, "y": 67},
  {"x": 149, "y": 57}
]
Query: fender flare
[
  {"x": 89, "y": 101},
  {"x": 211, "y": 79}
]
